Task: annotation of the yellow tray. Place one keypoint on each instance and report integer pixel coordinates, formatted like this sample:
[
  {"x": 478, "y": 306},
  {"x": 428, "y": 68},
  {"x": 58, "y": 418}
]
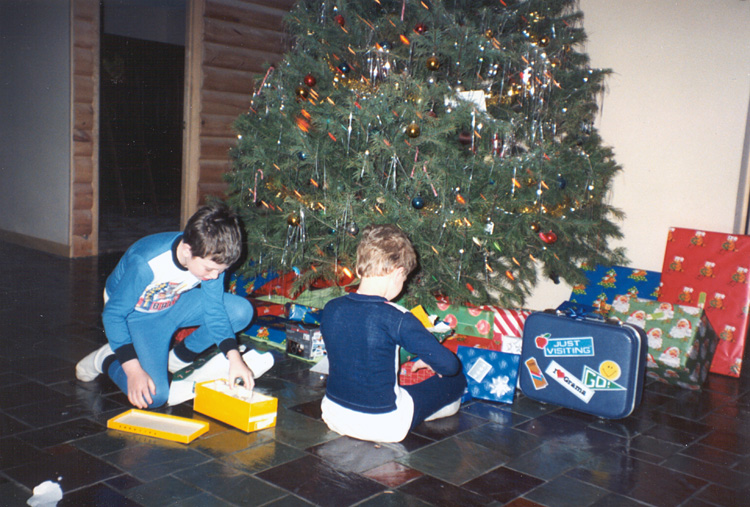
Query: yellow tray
[{"x": 169, "y": 427}]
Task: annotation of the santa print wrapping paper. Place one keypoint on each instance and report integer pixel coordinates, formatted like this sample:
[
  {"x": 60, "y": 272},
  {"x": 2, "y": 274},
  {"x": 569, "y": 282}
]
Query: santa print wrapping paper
[
  {"x": 716, "y": 264},
  {"x": 605, "y": 283},
  {"x": 681, "y": 341}
]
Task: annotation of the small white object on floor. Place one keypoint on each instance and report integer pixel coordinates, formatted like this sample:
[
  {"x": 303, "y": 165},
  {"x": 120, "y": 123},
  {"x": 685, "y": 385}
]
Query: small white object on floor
[
  {"x": 321, "y": 366},
  {"x": 46, "y": 494}
]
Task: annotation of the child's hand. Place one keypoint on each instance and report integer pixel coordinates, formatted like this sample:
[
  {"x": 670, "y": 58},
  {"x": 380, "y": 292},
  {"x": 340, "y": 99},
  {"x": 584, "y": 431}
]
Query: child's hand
[
  {"x": 418, "y": 365},
  {"x": 140, "y": 385},
  {"x": 239, "y": 370}
]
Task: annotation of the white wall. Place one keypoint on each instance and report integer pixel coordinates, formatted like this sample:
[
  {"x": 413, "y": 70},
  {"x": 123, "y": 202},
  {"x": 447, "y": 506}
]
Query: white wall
[
  {"x": 676, "y": 115},
  {"x": 35, "y": 118}
]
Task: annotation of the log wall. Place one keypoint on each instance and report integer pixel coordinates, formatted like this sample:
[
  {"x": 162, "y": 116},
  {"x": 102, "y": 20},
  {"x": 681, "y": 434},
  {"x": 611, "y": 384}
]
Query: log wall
[{"x": 230, "y": 43}]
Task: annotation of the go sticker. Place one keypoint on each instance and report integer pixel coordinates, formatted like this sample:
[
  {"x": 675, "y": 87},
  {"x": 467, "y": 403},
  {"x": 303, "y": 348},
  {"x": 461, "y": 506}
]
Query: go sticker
[{"x": 597, "y": 382}]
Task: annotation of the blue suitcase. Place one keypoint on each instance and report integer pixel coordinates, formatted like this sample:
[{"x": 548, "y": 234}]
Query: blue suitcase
[{"x": 574, "y": 358}]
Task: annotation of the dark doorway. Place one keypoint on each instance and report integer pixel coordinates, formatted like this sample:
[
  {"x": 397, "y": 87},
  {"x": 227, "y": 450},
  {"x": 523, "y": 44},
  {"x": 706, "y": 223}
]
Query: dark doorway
[{"x": 140, "y": 133}]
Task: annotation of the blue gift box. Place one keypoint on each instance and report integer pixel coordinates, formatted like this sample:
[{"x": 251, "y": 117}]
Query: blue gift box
[
  {"x": 304, "y": 314},
  {"x": 268, "y": 328},
  {"x": 605, "y": 283},
  {"x": 490, "y": 374}
]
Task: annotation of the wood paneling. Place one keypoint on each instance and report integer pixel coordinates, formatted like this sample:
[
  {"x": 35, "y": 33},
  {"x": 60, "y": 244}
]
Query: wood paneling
[
  {"x": 229, "y": 45},
  {"x": 83, "y": 233}
]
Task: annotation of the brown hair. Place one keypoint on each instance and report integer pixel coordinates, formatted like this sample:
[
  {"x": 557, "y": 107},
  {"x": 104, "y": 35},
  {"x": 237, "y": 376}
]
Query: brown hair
[
  {"x": 214, "y": 232},
  {"x": 384, "y": 248}
]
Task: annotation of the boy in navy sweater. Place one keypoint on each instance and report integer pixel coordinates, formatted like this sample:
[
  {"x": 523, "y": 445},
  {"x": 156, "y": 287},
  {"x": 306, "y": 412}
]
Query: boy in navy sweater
[
  {"x": 165, "y": 282},
  {"x": 363, "y": 331}
]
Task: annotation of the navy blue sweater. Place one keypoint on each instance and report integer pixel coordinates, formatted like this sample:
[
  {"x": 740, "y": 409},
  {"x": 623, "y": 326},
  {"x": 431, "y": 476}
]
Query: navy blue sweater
[{"x": 361, "y": 334}]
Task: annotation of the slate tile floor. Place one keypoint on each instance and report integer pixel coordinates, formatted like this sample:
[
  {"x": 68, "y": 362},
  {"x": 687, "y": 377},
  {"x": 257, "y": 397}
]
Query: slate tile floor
[{"x": 679, "y": 448}]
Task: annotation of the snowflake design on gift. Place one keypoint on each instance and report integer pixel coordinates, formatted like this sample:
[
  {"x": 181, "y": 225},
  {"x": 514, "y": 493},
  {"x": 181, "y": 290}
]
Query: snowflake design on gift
[{"x": 500, "y": 386}]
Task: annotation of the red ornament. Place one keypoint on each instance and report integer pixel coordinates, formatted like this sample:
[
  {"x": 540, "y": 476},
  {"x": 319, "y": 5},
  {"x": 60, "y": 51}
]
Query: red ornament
[
  {"x": 548, "y": 237},
  {"x": 420, "y": 28},
  {"x": 310, "y": 80},
  {"x": 340, "y": 20}
]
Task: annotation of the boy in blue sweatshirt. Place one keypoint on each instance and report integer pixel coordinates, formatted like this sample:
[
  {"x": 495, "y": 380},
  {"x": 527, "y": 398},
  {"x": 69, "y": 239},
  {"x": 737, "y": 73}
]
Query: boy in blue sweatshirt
[
  {"x": 363, "y": 331},
  {"x": 164, "y": 282}
]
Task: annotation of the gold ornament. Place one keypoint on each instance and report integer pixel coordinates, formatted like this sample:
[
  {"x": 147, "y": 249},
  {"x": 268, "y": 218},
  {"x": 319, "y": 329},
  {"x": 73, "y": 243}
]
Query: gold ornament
[
  {"x": 413, "y": 130},
  {"x": 433, "y": 63},
  {"x": 302, "y": 92},
  {"x": 488, "y": 33},
  {"x": 292, "y": 219}
]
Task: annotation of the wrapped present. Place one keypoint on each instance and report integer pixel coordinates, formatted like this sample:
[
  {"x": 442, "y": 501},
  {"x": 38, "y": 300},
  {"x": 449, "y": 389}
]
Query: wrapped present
[
  {"x": 458, "y": 340},
  {"x": 301, "y": 313},
  {"x": 490, "y": 374},
  {"x": 305, "y": 341},
  {"x": 681, "y": 341},
  {"x": 269, "y": 328},
  {"x": 263, "y": 308},
  {"x": 480, "y": 321},
  {"x": 245, "y": 285},
  {"x": 714, "y": 264},
  {"x": 508, "y": 323},
  {"x": 183, "y": 333},
  {"x": 604, "y": 283},
  {"x": 239, "y": 407},
  {"x": 465, "y": 320},
  {"x": 279, "y": 286},
  {"x": 407, "y": 377}
]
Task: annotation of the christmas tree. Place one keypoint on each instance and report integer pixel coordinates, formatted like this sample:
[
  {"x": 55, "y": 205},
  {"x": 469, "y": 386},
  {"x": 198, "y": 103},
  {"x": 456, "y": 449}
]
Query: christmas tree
[{"x": 468, "y": 123}]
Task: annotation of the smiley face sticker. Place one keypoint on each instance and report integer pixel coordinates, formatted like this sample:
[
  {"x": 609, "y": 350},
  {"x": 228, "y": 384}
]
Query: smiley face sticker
[{"x": 610, "y": 370}]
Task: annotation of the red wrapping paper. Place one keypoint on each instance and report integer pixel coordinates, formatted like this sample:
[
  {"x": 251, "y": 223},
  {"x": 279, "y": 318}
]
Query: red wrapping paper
[{"x": 715, "y": 264}]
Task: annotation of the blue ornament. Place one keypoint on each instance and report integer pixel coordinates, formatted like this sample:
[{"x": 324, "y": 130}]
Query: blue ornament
[
  {"x": 302, "y": 155},
  {"x": 561, "y": 182},
  {"x": 417, "y": 202},
  {"x": 344, "y": 68}
]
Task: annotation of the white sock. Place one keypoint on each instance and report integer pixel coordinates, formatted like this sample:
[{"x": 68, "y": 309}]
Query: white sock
[
  {"x": 446, "y": 411},
  {"x": 175, "y": 363}
]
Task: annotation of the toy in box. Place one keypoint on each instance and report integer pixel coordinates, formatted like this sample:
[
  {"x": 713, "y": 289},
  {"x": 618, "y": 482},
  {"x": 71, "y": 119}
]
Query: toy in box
[
  {"x": 681, "y": 341},
  {"x": 305, "y": 341},
  {"x": 237, "y": 406}
]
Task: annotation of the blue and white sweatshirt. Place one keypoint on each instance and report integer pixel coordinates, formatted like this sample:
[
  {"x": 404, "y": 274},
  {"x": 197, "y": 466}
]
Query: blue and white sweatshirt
[{"x": 149, "y": 279}]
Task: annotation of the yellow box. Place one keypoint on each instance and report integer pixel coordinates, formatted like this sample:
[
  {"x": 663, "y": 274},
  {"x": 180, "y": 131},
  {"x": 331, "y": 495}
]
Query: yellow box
[
  {"x": 152, "y": 424},
  {"x": 238, "y": 407}
]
